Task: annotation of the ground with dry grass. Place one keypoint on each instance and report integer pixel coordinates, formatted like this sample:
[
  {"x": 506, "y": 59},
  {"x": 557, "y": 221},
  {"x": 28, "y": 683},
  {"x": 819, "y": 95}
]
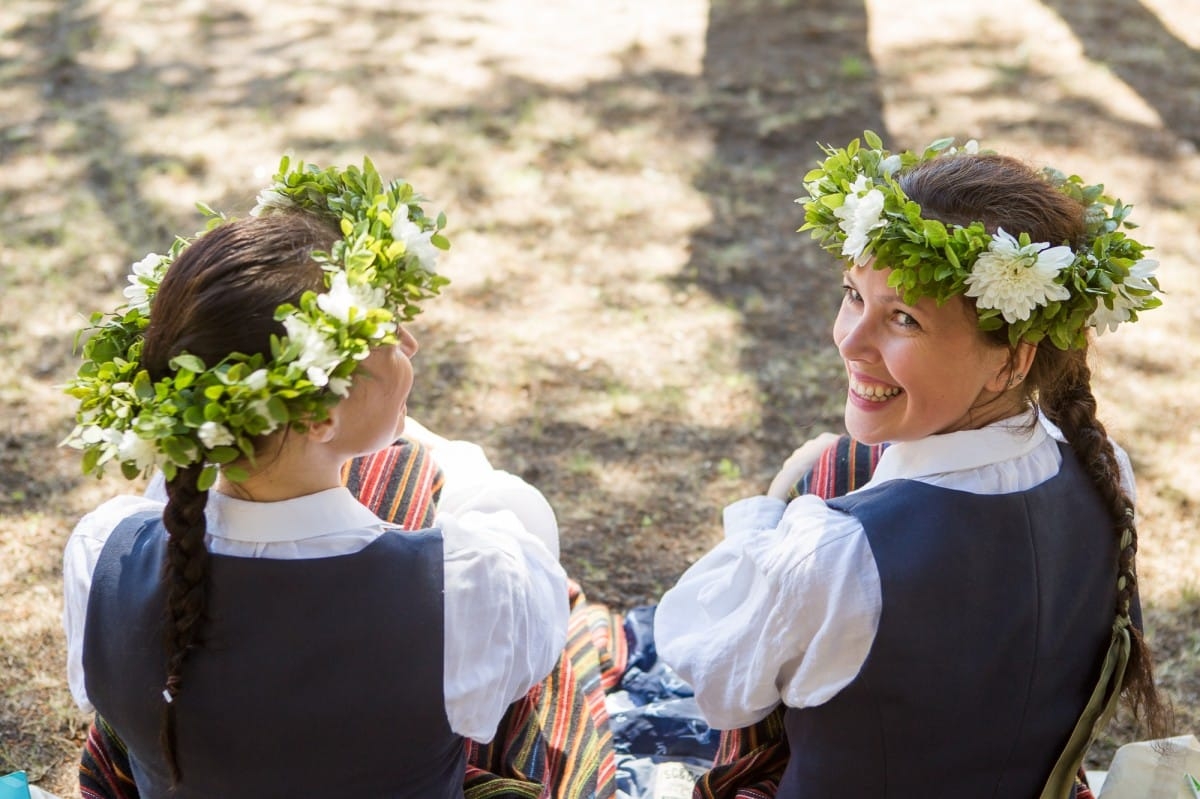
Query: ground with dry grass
[{"x": 633, "y": 324}]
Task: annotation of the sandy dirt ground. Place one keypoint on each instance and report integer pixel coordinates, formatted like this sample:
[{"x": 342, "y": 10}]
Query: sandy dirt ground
[{"x": 633, "y": 323}]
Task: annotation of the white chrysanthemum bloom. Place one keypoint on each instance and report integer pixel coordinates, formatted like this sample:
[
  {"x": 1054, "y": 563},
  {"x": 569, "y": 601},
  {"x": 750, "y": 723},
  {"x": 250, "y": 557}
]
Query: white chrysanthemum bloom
[
  {"x": 342, "y": 298},
  {"x": 889, "y": 165},
  {"x": 215, "y": 434},
  {"x": 142, "y": 451},
  {"x": 271, "y": 198},
  {"x": 137, "y": 292},
  {"x": 1014, "y": 279},
  {"x": 858, "y": 216},
  {"x": 416, "y": 241}
]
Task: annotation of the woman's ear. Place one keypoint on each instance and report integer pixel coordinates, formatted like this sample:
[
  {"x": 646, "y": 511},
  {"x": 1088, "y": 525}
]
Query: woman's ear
[
  {"x": 322, "y": 432},
  {"x": 1015, "y": 368}
]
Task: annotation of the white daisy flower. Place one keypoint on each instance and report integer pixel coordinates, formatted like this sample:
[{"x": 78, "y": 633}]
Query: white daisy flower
[
  {"x": 1015, "y": 280},
  {"x": 316, "y": 351},
  {"x": 142, "y": 451},
  {"x": 1106, "y": 319},
  {"x": 269, "y": 199},
  {"x": 342, "y": 299},
  {"x": 143, "y": 273},
  {"x": 1140, "y": 274},
  {"x": 859, "y": 215},
  {"x": 257, "y": 380},
  {"x": 416, "y": 241},
  {"x": 339, "y": 386}
]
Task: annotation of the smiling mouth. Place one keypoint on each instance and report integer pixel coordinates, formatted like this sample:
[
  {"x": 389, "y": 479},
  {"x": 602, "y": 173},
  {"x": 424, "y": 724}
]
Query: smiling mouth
[{"x": 873, "y": 392}]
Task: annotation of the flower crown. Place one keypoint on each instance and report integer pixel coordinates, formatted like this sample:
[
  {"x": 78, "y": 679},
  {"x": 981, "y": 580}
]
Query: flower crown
[
  {"x": 856, "y": 209},
  {"x": 210, "y": 414}
]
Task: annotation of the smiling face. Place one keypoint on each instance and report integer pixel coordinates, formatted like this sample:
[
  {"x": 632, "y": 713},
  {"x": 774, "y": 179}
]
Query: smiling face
[{"x": 915, "y": 370}]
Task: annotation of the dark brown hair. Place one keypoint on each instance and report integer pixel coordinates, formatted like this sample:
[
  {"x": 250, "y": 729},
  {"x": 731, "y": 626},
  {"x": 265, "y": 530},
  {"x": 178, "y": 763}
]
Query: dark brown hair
[
  {"x": 218, "y": 297},
  {"x": 1000, "y": 191}
]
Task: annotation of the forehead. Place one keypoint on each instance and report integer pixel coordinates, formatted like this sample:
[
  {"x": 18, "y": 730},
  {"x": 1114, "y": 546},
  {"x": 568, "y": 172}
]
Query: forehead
[{"x": 956, "y": 312}]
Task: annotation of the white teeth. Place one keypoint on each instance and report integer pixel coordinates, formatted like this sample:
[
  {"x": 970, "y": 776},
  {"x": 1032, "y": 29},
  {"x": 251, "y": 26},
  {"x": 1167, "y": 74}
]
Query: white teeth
[{"x": 874, "y": 393}]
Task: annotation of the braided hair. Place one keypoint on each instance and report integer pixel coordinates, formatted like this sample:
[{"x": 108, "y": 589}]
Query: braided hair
[
  {"x": 217, "y": 298},
  {"x": 1001, "y": 191}
]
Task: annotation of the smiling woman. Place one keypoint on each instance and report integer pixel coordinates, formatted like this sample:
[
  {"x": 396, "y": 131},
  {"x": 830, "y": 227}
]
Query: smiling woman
[{"x": 977, "y": 597}]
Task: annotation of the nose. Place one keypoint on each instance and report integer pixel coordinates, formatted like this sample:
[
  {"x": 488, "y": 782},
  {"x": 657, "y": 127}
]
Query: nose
[
  {"x": 408, "y": 342},
  {"x": 851, "y": 335}
]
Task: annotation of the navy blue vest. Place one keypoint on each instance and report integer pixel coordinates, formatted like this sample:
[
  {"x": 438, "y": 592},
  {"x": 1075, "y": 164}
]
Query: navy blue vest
[
  {"x": 996, "y": 613},
  {"x": 315, "y": 677}
]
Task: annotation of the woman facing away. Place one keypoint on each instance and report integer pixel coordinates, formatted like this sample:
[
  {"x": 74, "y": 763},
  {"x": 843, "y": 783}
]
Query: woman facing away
[
  {"x": 961, "y": 624},
  {"x": 262, "y": 633}
]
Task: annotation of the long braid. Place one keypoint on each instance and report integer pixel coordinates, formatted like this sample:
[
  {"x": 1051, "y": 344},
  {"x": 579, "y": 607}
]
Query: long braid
[
  {"x": 1003, "y": 192},
  {"x": 1065, "y": 396},
  {"x": 218, "y": 297},
  {"x": 185, "y": 574}
]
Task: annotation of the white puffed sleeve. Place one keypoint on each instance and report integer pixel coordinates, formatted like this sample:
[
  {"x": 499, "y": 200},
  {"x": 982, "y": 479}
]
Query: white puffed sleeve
[
  {"x": 79, "y": 563},
  {"x": 784, "y": 609},
  {"x": 505, "y": 592}
]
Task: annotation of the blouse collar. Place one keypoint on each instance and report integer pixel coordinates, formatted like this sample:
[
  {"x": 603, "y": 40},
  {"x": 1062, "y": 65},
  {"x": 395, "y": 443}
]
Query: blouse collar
[
  {"x": 963, "y": 450},
  {"x": 331, "y": 511}
]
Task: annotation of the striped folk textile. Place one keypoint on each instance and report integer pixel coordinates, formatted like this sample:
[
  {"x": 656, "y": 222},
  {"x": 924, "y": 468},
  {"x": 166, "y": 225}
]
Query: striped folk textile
[
  {"x": 553, "y": 743},
  {"x": 750, "y": 761},
  {"x": 104, "y": 766},
  {"x": 399, "y": 484}
]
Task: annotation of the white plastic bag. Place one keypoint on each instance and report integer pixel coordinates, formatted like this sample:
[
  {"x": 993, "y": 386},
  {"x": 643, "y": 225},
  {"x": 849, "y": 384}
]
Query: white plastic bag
[{"x": 1153, "y": 770}]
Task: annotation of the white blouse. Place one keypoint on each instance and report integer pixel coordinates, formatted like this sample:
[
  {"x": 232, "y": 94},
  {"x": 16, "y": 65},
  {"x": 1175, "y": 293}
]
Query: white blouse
[
  {"x": 505, "y": 593},
  {"x": 786, "y": 607}
]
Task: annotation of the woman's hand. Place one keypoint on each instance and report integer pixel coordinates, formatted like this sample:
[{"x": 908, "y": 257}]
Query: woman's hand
[{"x": 798, "y": 464}]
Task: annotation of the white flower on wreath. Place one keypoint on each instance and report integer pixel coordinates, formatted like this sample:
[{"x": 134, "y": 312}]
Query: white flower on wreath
[
  {"x": 318, "y": 355},
  {"x": 416, "y": 240},
  {"x": 339, "y": 386},
  {"x": 215, "y": 434},
  {"x": 142, "y": 451},
  {"x": 144, "y": 272},
  {"x": 859, "y": 215},
  {"x": 269, "y": 199},
  {"x": 889, "y": 165},
  {"x": 1014, "y": 279},
  {"x": 257, "y": 380},
  {"x": 342, "y": 299},
  {"x": 1106, "y": 319}
]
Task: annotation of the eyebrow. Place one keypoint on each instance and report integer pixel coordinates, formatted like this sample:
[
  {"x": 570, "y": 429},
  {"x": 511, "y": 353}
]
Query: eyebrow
[{"x": 880, "y": 298}]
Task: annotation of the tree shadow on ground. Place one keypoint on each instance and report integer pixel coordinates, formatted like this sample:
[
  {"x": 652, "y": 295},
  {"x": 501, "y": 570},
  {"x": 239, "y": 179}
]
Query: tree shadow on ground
[
  {"x": 1131, "y": 39},
  {"x": 782, "y": 79}
]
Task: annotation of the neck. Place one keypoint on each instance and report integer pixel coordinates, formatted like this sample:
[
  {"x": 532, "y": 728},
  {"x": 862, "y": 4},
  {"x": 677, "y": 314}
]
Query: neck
[{"x": 285, "y": 469}]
